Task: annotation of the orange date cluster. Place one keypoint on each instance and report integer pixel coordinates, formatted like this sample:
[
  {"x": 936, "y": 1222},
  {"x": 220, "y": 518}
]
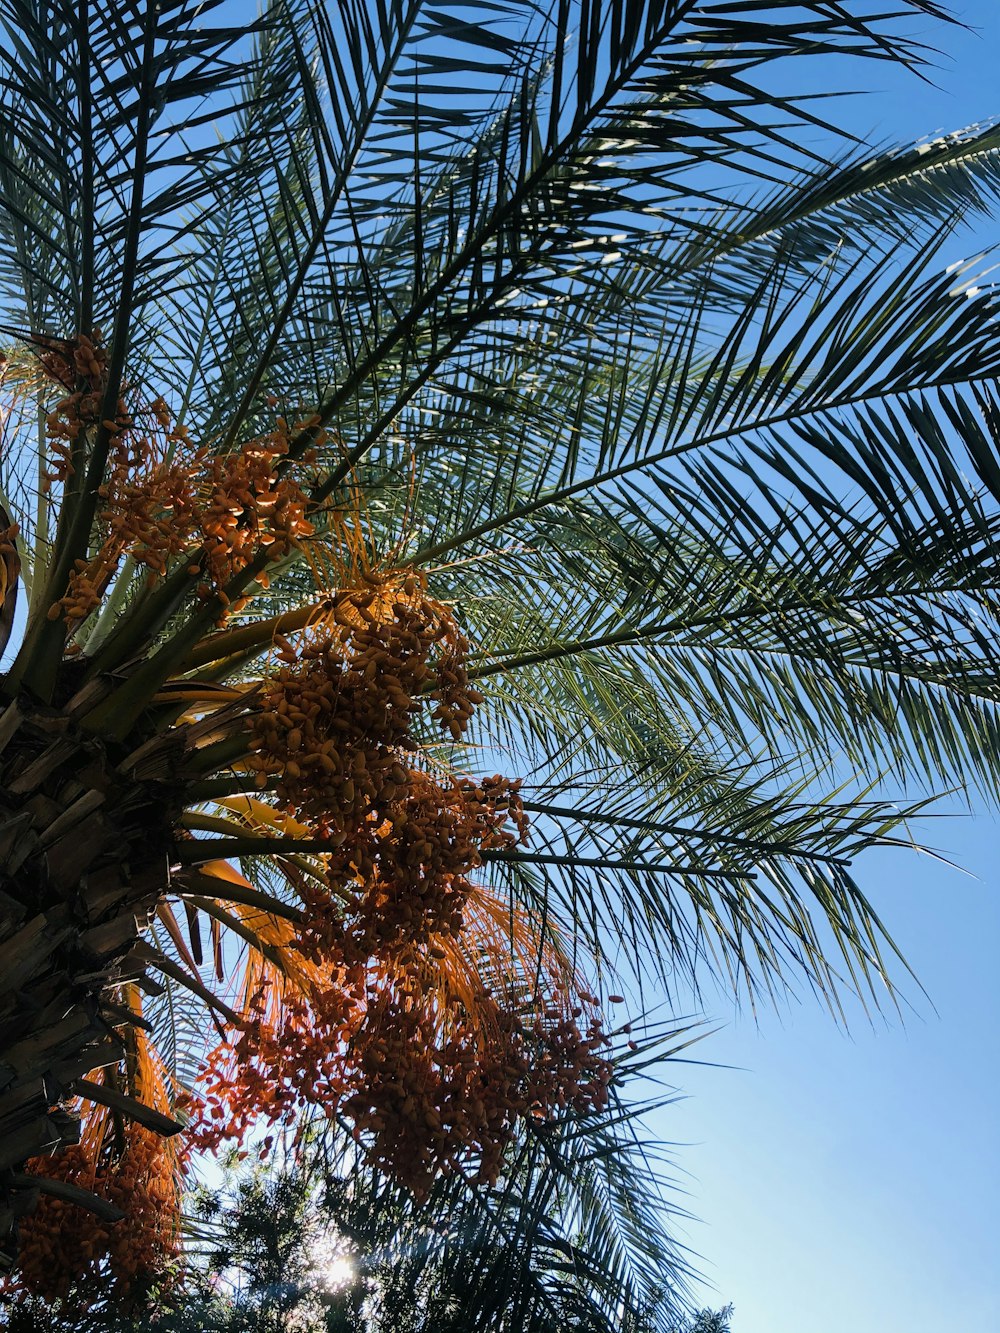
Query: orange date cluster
[
  {"x": 407, "y": 877},
  {"x": 66, "y": 1252},
  {"x": 337, "y": 719},
  {"x": 161, "y": 499},
  {"x": 433, "y": 1077},
  {"x": 431, "y": 1097},
  {"x": 430, "y": 1085}
]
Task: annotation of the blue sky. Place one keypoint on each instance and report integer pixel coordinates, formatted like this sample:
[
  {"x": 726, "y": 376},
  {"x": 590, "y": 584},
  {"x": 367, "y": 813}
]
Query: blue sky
[{"x": 849, "y": 1182}]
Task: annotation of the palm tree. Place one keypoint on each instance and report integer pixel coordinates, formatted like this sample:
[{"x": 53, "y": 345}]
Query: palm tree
[{"x": 395, "y": 392}]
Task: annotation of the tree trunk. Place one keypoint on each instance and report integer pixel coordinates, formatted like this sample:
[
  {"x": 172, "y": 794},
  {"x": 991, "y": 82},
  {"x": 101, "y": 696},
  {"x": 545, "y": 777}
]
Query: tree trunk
[{"x": 85, "y": 851}]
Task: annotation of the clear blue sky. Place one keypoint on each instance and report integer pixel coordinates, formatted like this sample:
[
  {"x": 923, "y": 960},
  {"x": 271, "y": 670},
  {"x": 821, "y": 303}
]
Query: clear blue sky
[{"x": 850, "y": 1183}]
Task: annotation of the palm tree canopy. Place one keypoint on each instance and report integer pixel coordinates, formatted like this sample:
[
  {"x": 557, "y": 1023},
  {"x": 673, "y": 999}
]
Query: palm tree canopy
[{"x": 563, "y": 354}]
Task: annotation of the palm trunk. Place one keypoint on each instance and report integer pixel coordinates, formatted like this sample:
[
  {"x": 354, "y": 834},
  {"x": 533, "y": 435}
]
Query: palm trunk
[{"x": 85, "y": 851}]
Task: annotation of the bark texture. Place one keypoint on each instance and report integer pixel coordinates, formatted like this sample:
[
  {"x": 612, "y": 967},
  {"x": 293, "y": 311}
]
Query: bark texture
[{"x": 86, "y": 846}]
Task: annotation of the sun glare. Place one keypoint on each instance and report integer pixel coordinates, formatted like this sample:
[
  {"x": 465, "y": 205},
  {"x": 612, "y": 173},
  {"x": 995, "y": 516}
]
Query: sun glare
[
  {"x": 333, "y": 1267},
  {"x": 338, "y": 1272}
]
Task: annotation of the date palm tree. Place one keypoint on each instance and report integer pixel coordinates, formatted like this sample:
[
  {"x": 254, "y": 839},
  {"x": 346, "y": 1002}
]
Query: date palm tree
[{"x": 396, "y": 392}]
